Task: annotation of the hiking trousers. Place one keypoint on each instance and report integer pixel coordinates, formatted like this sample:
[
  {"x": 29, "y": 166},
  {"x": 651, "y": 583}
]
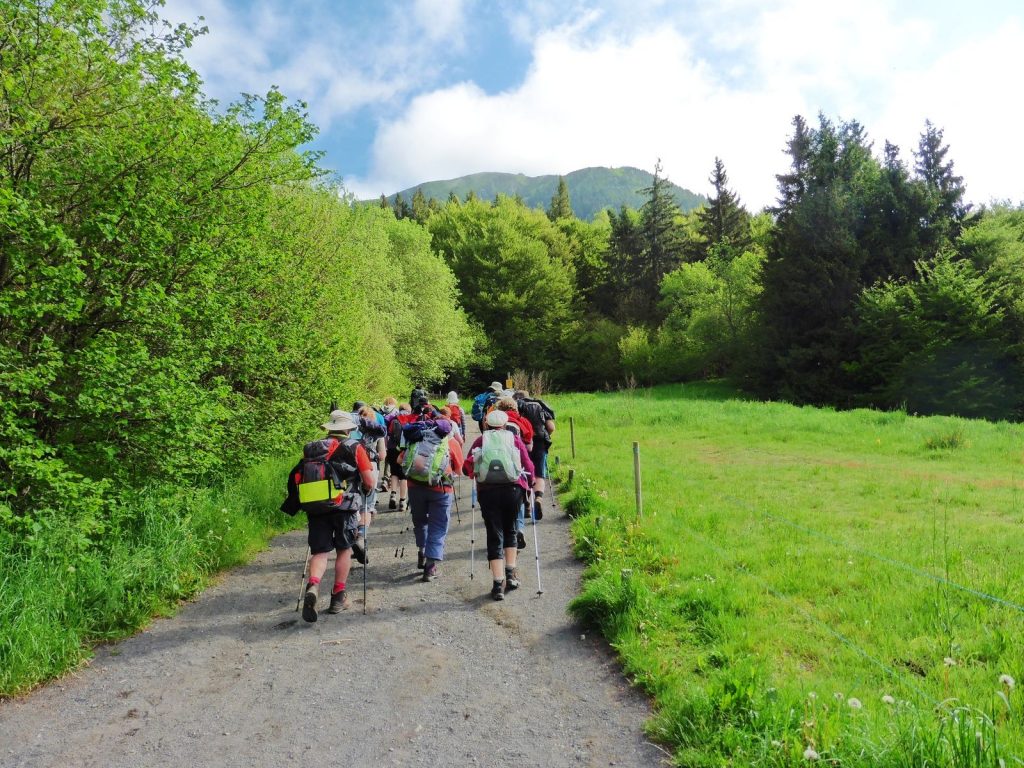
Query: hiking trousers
[{"x": 431, "y": 512}]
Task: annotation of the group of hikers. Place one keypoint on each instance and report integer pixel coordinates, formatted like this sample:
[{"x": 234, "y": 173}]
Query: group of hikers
[{"x": 413, "y": 451}]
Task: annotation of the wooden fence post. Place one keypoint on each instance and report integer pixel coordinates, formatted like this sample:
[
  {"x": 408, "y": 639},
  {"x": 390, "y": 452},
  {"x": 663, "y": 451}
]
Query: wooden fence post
[
  {"x": 636, "y": 481},
  {"x": 572, "y": 437}
]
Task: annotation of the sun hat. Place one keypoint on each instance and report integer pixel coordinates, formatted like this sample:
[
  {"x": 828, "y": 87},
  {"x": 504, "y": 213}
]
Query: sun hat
[
  {"x": 507, "y": 392},
  {"x": 453, "y": 398},
  {"x": 341, "y": 421},
  {"x": 496, "y": 419},
  {"x": 442, "y": 427},
  {"x": 496, "y": 386}
]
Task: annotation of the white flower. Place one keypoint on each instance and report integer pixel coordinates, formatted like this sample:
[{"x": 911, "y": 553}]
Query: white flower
[
  {"x": 854, "y": 703},
  {"x": 949, "y": 662},
  {"x": 812, "y": 695},
  {"x": 776, "y": 743},
  {"x": 839, "y": 695},
  {"x": 888, "y": 699},
  {"x": 810, "y": 754},
  {"x": 1008, "y": 681}
]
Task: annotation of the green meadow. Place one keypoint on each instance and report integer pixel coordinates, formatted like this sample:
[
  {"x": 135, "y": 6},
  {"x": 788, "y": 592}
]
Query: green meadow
[{"x": 805, "y": 584}]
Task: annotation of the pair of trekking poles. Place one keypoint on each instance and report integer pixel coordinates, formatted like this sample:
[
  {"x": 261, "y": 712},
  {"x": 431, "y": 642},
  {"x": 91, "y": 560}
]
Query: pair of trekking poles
[
  {"x": 472, "y": 535},
  {"x": 366, "y": 560}
]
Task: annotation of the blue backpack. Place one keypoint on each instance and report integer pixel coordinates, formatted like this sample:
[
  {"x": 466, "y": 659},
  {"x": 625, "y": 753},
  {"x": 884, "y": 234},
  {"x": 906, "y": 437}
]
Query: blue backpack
[{"x": 481, "y": 402}]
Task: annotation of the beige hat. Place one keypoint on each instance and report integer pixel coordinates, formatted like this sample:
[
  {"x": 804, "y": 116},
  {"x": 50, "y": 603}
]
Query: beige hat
[
  {"x": 341, "y": 421},
  {"x": 496, "y": 419},
  {"x": 496, "y": 386},
  {"x": 453, "y": 398}
]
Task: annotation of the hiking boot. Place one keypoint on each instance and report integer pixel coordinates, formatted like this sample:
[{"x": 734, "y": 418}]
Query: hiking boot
[
  {"x": 520, "y": 540},
  {"x": 511, "y": 579},
  {"x": 392, "y": 502},
  {"x": 401, "y": 505},
  {"x": 421, "y": 560},
  {"x": 430, "y": 571},
  {"x": 498, "y": 590},
  {"x": 359, "y": 550},
  {"x": 309, "y": 602},
  {"x": 339, "y": 602},
  {"x": 538, "y": 512}
]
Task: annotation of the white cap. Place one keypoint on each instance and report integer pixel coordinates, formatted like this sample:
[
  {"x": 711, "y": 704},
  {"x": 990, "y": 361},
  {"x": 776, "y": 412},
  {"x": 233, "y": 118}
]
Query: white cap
[{"x": 496, "y": 419}]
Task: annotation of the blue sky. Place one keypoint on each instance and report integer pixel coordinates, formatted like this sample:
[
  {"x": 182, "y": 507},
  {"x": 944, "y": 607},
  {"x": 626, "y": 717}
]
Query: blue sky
[{"x": 417, "y": 90}]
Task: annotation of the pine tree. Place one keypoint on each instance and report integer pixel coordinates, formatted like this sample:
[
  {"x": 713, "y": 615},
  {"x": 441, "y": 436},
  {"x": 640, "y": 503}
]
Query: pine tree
[
  {"x": 401, "y": 207},
  {"x": 384, "y": 201},
  {"x": 420, "y": 210},
  {"x": 560, "y": 207},
  {"x": 792, "y": 185},
  {"x": 724, "y": 221},
  {"x": 945, "y": 189},
  {"x": 662, "y": 243}
]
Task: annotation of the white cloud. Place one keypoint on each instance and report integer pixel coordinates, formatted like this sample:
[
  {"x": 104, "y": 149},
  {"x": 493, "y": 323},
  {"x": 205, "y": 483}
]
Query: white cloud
[
  {"x": 605, "y": 103},
  {"x": 725, "y": 81},
  {"x": 441, "y": 19}
]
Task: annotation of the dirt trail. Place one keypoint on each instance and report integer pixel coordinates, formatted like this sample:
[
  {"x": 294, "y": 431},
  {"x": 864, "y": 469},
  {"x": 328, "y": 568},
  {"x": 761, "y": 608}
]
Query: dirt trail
[{"x": 433, "y": 674}]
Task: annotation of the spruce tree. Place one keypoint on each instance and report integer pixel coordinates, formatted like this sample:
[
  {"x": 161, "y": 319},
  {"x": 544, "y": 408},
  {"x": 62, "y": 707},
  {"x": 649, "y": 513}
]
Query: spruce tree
[
  {"x": 384, "y": 201},
  {"x": 945, "y": 189},
  {"x": 561, "y": 207},
  {"x": 723, "y": 221},
  {"x": 662, "y": 241},
  {"x": 420, "y": 210}
]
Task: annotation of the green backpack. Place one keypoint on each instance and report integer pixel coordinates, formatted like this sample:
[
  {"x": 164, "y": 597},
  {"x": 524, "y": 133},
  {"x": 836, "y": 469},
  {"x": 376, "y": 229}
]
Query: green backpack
[
  {"x": 428, "y": 460},
  {"x": 498, "y": 459}
]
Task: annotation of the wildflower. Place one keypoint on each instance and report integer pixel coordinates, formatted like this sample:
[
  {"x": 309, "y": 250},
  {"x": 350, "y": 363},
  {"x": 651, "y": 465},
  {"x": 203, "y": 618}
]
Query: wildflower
[
  {"x": 854, "y": 703},
  {"x": 949, "y": 662},
  {"x": 812, "y": 695},
  {"x": 888, "y": 699},
  {"x": 776, "y": 743},
  {"x": 810, "y": 754},
  {"x": 839, "y": 695},
  {"x": 1008, "y": 681}
]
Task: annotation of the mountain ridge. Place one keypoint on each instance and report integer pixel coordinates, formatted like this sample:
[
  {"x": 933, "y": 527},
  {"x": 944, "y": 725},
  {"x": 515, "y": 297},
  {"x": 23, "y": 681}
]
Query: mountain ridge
[{"x": 590, "y": 189}]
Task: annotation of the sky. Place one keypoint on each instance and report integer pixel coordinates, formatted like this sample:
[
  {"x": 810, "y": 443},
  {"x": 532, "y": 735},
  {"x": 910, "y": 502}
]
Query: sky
[{"x": 410, "y": 91}]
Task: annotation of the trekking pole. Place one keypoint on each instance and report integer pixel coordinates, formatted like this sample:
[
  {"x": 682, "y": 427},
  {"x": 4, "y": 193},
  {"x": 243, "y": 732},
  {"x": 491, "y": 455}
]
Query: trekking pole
[
  {"x": 455, "y": 495},
  {"x": 536, "y": 546},
  {"x": 366, "y": 550},
  {"x": 472, "y": 529},
  {"x": 302, "y": 584}
]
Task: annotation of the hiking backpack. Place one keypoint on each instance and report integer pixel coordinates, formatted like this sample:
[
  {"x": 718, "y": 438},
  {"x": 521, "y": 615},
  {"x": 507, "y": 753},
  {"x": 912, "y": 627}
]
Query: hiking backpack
[
  {"x": 481, "y": 403},
  {"x": 327, "y": 465},
  {"x": 428, "y": 459},
  {"x": 537, "y": 413},
  {"x": 498, "y": 461}
]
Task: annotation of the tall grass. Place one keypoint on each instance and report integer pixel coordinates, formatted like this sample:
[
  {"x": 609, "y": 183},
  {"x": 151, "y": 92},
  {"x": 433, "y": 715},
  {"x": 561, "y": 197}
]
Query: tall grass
[
  {"x": 794, "y": 586},
  {"x": 160, "y": 549}
]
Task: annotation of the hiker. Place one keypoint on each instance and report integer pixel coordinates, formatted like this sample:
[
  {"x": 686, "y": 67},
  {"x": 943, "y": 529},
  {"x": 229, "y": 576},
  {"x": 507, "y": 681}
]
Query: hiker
[
  {"x": 483, "y": 402},
  {"x": 521, "y": 427},
  {"x": 389, "y": 407},
  {"x": 370, "y": 432},
  {"x": 431, "y": 458},
  {"x": 399, "y": 487},
  {"x": 328, "y": 464},
  {"x": 446, "y": 413},
  {"x": 458, "y": 415},
  {"x": 422, "y": 408},
  {"x": 499, "y": 461},
  {"x": 542, "y": 418}
]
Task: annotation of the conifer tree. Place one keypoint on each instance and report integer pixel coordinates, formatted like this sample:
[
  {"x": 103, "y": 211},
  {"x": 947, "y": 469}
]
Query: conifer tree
[
  {"x": 662, "y": 242},
  {"x": 561, "y": 207},
  {"x": 945, "y": 189},
  {"x": 401, "y": 207},
  {"x": 420, "y": 209},
  {"x": 384, "y": 201},
  {"x": 724, "y": 221}
]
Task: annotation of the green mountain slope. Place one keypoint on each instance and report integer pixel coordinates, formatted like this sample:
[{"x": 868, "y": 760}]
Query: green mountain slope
[{"x": 590, "y": 189}]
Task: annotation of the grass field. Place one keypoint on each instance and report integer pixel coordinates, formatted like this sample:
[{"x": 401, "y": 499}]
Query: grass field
[{"x": 805, "y": 584}]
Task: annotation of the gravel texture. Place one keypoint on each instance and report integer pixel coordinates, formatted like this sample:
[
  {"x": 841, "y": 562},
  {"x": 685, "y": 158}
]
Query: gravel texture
[{"x": 432, "y": 674}]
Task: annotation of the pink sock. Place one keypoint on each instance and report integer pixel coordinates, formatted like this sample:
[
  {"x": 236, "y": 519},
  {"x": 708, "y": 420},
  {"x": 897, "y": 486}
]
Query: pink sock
[
  {"x": 338, "y": 586},
  {"x": 314, "y": 580}
]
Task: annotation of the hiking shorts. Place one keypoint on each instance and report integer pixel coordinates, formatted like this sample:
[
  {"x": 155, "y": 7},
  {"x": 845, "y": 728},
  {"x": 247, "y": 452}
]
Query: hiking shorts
[
  {"x": 539, "y": 457},
  {"x": 395, "y": 466},
  {"x": 332, "y": 531}
]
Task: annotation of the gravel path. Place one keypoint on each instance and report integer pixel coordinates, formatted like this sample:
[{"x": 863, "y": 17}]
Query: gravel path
[{"x": 433, "y": 673}]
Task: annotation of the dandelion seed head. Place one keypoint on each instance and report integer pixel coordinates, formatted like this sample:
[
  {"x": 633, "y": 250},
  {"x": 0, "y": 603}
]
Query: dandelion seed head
[
  {"x": 776, "y": 743},
  {"x": 888, "y": 699},
  {"x": 839, "y": 695},
  {"x": 812, "y": 695},
  {"x": 1008, "y": 681},
  {"x": 854, "y": 703},
  {"x": 810, "y": 754},
  {"x": 949, "y": 661}
]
